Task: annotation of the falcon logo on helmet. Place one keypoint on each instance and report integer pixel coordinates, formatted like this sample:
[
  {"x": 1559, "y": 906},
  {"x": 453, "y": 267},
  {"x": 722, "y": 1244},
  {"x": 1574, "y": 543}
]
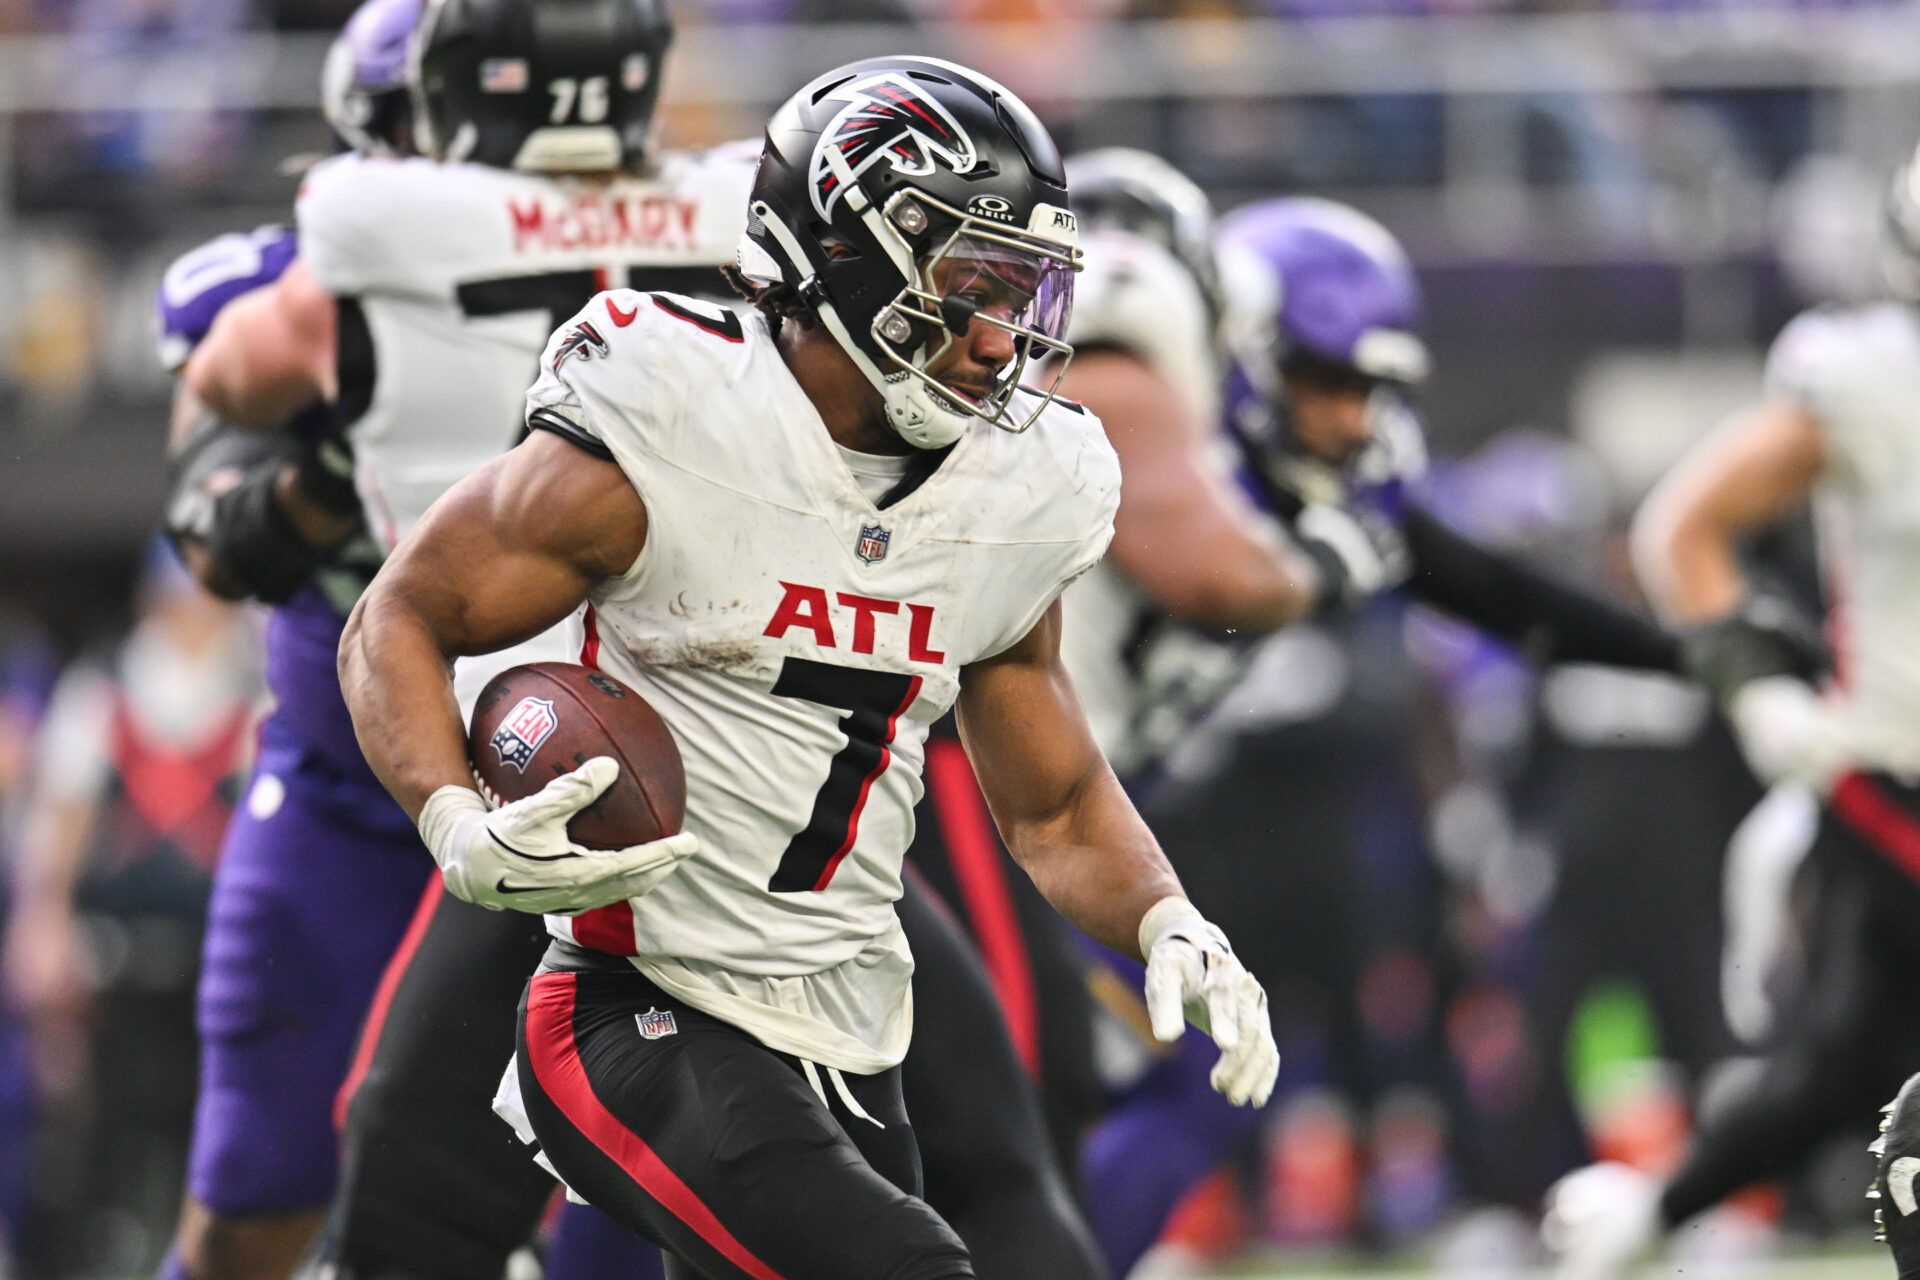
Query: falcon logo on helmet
[{"x": 887, "y": 117}]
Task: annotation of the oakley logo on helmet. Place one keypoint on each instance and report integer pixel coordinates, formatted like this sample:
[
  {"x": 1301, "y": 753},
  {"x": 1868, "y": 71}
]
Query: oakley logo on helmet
[
  {"x": 991, "y": 207},
  {"x": 887, "y": 117}
]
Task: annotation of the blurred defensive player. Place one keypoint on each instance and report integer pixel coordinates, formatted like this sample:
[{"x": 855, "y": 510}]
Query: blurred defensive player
[
  {"x": 320, "y": 870},
  {"x": 1837, "y": 428},
  {"x": 738, "y": 1028},
  {"x": 401, "y": 296}
]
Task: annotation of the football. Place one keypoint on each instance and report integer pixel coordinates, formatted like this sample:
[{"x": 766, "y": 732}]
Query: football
[{"x": 534, "y": 723}]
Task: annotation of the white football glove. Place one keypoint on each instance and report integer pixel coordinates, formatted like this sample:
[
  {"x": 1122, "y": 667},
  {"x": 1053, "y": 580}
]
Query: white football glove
[
  {"x": 519, "y": 856},
  {"x": 1358, "y": 553},
  {"x": 1193, "y": 975},
  {"x": 1787, "y": 733}
]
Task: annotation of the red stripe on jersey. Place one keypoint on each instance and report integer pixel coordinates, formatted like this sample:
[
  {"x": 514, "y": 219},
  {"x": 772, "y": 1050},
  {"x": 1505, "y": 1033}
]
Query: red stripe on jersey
[
  {"x": 383, "y": 998},
  {"x": 866, "y": 786},
  {"x": 1876, "y": 818},
  {"x": 609, "y": 929},
  {"x": 555, "y": 1059},
  {"x": 974, "y": 854},
  {"x": 590, "y": 647}
]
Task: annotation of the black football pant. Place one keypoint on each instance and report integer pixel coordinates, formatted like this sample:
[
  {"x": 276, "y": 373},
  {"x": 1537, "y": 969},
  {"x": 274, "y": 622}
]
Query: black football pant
[
  {"x": 1856, "y": 1033},
  {"x": 725, "y": 1153},
  {"x": 434, "y": 1187}
]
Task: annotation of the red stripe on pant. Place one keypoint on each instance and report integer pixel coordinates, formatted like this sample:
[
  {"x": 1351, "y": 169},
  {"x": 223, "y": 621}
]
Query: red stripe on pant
[
  {"x": 556, "y": 1064},
  {"x": 981, "y": 874},
  {"x": 1878, "y": 819},
  {"x": 383, "y": 998}
]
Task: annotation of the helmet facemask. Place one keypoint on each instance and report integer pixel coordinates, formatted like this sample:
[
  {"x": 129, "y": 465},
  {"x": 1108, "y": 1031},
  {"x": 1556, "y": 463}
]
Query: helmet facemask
[{"x": 981, "y": 271}]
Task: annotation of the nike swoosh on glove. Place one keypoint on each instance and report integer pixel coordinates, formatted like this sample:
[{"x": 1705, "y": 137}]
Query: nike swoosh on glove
[
  {"x": 1193, "y": 975},
  {"x": 519, "y": 855}
]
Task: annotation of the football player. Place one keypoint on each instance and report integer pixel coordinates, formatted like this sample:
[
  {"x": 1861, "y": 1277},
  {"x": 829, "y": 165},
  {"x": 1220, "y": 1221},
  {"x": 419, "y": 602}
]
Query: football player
[
  {"x": 1896, "y": 1211},
  {"x": 710, "y": 1050},
  {"x": 1835, "y": 429},
  {"x": 320, "y": 871},
  {"x": 430, "y": 271},
  {"x": 1321, "y": 326}
]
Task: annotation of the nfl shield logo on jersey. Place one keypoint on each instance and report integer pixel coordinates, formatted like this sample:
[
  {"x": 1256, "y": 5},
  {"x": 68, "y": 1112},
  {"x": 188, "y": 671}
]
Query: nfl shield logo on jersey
[
  {"x": 525, "y": 728},
  {"x": 655, "y": 1023},
  {"x": 873, "y": 543}
]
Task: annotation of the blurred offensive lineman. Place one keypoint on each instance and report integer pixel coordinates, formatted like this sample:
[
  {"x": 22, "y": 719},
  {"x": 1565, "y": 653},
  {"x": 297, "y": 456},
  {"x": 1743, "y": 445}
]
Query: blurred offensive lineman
[
  {"x": 320, "y": 871},
  {"x": 1322, "y": 332},
  {"x": 1837, "y": 427},
  {"x": 730, "y": 1087},
  {"x": 415, "y": 308}
]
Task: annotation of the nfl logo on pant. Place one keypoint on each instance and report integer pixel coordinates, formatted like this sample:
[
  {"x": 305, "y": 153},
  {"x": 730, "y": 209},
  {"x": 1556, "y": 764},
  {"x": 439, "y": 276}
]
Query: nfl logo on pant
[{"x": 655, "y": 1023}]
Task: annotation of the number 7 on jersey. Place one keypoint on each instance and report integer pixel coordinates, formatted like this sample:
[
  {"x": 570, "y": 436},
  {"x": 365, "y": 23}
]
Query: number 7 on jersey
[{"x": 873, "y": 701}]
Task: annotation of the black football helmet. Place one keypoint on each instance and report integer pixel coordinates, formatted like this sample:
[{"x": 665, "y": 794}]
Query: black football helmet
[
  {"x": 553, "y": 86},
  {"x": 904, "y": 199},
  {"x": 1138, "y": 192}
]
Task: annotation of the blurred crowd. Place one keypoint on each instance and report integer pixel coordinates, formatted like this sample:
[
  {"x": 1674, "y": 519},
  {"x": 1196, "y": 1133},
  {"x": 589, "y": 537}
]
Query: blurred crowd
[{"x": 1495, "y": 893}]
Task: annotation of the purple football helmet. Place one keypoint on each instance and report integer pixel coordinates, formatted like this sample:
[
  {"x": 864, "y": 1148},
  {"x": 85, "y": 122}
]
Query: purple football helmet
[
  {"x": 363, "y": 87},
  {"x": 1310, "y": 285}
]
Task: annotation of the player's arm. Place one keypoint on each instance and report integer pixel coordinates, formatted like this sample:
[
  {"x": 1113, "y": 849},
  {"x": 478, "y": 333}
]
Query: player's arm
[
  {"x": 1503, "y": 595},
  {"x": 1190, "y": 541},
  {"x": 1756, "y": 468},
  {"x": 269, "y": 354},
  {"x": 1751, "y": 652},
  {"x": 1073, "y": 829},
  {"x": 505, "y": 554},
  {"x": 253, "y": 510}
]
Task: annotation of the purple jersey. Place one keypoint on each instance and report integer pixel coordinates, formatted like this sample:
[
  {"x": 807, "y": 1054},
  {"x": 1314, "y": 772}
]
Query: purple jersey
[
  {"x": 202, "y": 281},
  {"x": 304, "y": 633}
]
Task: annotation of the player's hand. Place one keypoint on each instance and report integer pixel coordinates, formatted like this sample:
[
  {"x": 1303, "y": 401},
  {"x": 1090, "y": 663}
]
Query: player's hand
[
  {"x": 1193, "y": 976},
  {"x": 520, "y": 857},
  {"x": 1358, "y": 553},
  {"x": 1788, "y": 733}
]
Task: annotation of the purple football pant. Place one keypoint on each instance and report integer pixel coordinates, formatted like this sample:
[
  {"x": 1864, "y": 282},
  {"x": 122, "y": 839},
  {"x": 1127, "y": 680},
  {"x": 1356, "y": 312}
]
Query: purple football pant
[
  {"x": 318, "y": 878},
  {"x": 1163, "y": 1137},
  {"x": 588, "y": 1245}
]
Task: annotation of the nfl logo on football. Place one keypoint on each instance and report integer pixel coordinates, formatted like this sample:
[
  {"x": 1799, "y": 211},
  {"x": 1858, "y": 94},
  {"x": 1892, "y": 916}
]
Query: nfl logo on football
[
  {"x": 873, "y": 543},
  {"x": 655, "y": 1023},
  {"x": 525, "y": 728}
]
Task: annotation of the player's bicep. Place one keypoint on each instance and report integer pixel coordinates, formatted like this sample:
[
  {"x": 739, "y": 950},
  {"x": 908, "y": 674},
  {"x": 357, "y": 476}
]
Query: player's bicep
[
  {"x": 515, "y": 547},
  {"x": 1174, "y": 498},
  {"x": 270, "y": 353},
  {"x": 1024, "y": 728}
]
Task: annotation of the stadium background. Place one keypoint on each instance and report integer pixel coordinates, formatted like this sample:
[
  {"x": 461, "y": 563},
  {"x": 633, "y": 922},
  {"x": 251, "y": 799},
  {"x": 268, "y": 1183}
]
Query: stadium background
[{"x": 1493, "y": 898}]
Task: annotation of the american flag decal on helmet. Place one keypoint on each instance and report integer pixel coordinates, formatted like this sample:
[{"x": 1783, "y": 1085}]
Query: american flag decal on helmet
[{"x": 887, "y": 117}]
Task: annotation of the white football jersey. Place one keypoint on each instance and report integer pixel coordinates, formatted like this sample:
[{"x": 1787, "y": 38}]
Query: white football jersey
[
  {"x": 1858, "y": 373},
  {"x": 451, "y": 278},
  {"x": 1137, "y": 297},
  {"x": 799, "y": 642}
]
